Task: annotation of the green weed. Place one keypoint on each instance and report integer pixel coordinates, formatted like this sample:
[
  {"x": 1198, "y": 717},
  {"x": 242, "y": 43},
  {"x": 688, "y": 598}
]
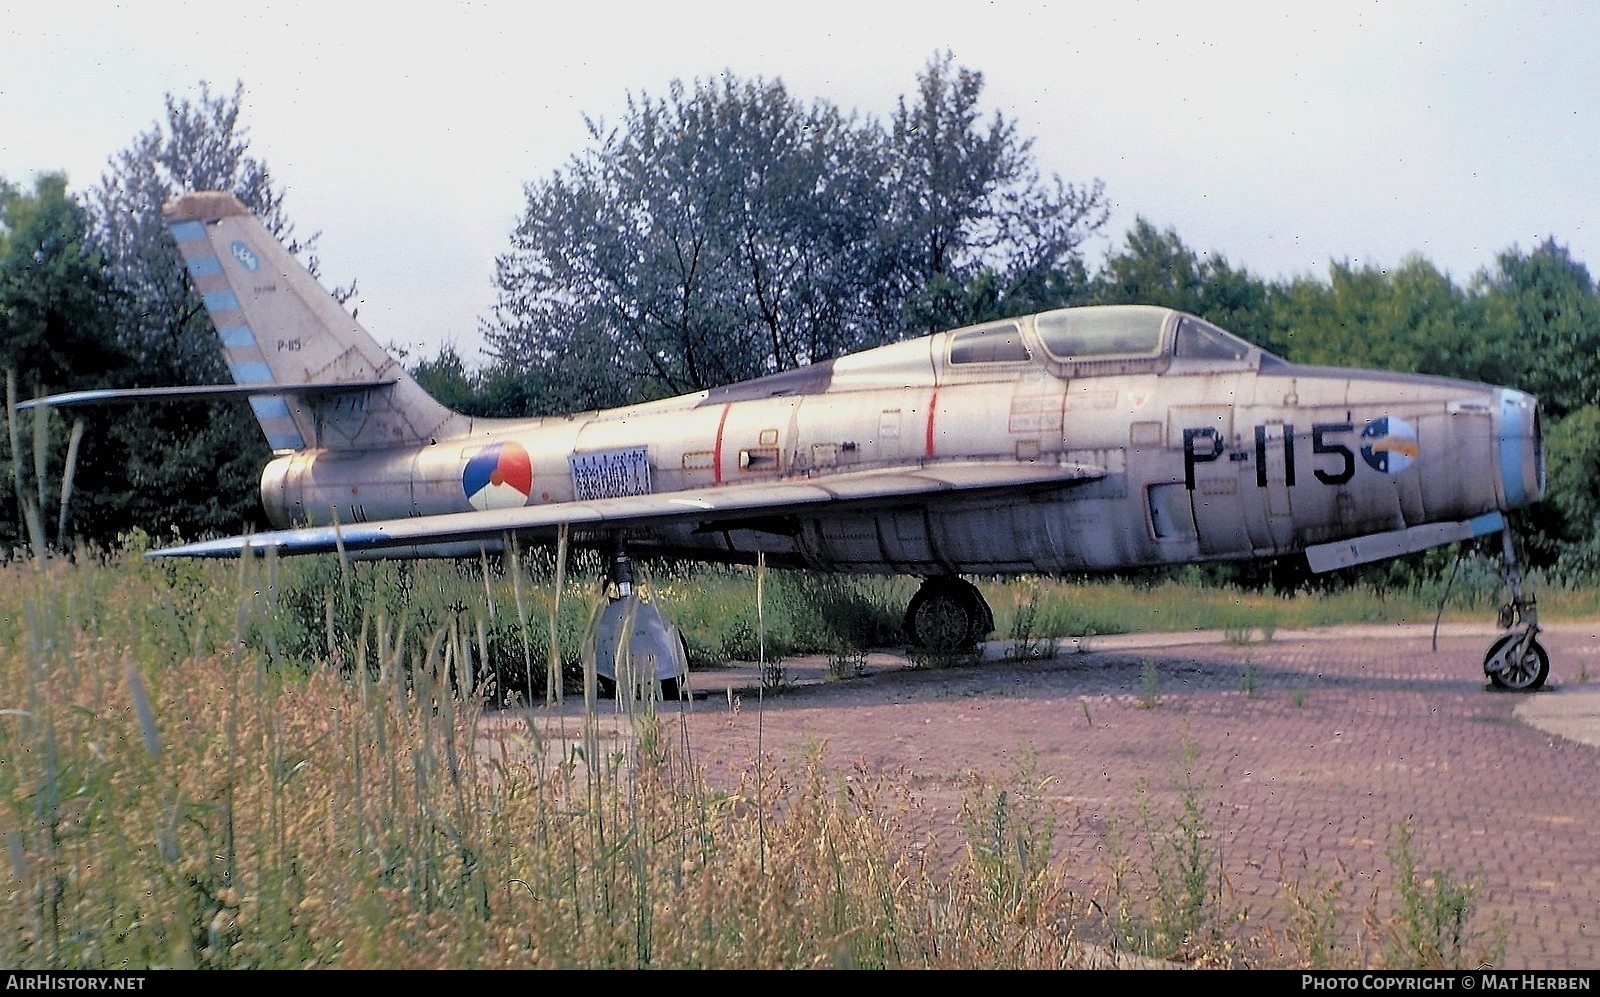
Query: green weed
[
  {"x": 1313, "y": 939},
  {"x": 1430, "y": 927},
  {"x": 1149, "y": 684},
  {"x": 1169, "y": 902},
  {"x": 1031, "y": 636}
]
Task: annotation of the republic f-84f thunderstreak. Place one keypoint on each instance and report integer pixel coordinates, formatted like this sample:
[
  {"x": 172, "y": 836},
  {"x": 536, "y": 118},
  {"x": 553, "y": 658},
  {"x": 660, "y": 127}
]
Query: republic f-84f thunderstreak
[{"x": 1076, "y": 440}]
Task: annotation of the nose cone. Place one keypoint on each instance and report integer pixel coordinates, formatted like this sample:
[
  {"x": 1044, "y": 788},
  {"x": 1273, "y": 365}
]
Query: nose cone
[{"x": 1521, "y": 449}]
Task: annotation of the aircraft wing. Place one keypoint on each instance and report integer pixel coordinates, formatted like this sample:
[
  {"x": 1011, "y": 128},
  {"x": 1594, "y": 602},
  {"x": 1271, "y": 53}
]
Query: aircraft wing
[{"x": 877, "y": 487}]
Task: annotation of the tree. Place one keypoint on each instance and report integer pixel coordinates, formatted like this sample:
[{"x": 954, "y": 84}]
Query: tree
[
  {"x": 56, "y": 314},
  {"x": 975, "y": 231},
  {"x": 727, "y": 232},
  {"x": 57, "y": 331},
  {"x": 189, "y": 467},
  {"x": 724, "y": 232},
  {"x": 1410, "y": 319},
  {"x": 202, "y": 147},
  {"x": 1569, "y": 530},
  {"x": 1155, "y": 267},
  {"x": 1540, "y": 328},
  {"x": 499, "y": 392}
]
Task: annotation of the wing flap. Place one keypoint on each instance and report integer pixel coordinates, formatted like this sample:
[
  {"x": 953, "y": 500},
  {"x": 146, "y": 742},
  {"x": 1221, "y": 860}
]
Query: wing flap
[{"x": 851, "y": 489}]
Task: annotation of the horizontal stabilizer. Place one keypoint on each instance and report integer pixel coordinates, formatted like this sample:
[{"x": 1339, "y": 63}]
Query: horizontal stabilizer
[
  {"x": 878, "y": 487},
  {"x": 197, "y": 392},
  {"x": 1382, "y": 546}
]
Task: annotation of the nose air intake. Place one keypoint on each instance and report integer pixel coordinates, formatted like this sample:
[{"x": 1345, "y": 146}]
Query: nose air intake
[{"x": 1521, "y": 449}]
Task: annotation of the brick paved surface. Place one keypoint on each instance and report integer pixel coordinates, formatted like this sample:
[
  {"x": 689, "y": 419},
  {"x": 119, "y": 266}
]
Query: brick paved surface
[{"x": 1342, "y": 736}]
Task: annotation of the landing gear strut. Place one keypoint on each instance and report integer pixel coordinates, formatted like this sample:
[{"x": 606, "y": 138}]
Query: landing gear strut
[
  {"x": 948, "y": 614},
  {"x": 1516, "y": 661},
  {"x": 652, "y": 656}
]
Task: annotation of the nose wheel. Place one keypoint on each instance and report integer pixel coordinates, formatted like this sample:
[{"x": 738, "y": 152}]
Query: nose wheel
[{"x": 1517, "y": 662}]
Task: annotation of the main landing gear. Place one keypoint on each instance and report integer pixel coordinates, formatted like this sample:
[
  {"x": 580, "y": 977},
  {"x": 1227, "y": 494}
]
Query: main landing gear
[
  {"x": 1516, "y": 661},
  {"x": 948, "y": 615},
  {"x": 652, "y": 658}
]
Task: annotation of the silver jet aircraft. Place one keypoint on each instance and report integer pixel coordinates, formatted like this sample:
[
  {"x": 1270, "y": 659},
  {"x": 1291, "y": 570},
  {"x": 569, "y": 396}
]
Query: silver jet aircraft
[{"x": 1076, "y": 440}]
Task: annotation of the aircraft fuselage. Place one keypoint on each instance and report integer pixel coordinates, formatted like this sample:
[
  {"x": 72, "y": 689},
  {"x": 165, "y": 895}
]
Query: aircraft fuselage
[{"x": 1202, "y": 447}]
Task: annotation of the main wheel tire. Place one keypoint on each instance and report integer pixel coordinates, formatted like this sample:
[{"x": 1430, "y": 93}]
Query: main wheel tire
[
  {"x": 948, "y": 615},
  {"x": 1522, "y": 675}
]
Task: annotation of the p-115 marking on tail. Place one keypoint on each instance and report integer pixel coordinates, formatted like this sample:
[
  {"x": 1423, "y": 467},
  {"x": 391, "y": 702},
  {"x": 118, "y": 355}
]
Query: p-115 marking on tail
[{"x": 1075, "y": 440}]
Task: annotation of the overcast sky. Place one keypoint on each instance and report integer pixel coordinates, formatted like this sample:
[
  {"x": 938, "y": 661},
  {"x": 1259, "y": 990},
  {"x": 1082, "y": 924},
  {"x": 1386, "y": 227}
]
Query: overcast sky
[{"x": 1280, "y": 136}]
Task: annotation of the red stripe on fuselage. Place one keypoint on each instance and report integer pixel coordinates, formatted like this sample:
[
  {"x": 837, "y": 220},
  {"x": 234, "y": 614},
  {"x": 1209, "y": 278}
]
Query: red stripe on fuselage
[
  {"x": 716, "y": 458},
  {"x": 933, "y": 405}
]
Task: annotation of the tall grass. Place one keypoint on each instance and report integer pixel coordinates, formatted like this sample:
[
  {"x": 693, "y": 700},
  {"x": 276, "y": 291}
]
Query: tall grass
[
  {"x": 220, "y": 810},
  {"x": 301, "y": 764},
  {"x": 1069, "y": 608}
]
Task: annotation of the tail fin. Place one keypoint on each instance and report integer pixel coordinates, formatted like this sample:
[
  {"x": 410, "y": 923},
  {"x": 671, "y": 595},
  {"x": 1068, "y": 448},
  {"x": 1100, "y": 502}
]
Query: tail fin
[{"x": 280, "y": 328}]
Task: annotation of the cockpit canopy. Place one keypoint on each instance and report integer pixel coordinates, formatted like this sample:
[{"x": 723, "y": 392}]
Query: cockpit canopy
[
  {"x": 1087, "y": 341},
  {"x": 1138, "y": 335}
]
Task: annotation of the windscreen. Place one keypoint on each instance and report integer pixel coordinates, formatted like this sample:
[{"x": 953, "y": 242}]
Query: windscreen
[{"x": 1199, "y": 340}]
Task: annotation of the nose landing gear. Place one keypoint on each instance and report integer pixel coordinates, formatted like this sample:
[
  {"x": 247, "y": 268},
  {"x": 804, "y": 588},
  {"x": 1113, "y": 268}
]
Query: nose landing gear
[{"x": 1516, "y": 661}]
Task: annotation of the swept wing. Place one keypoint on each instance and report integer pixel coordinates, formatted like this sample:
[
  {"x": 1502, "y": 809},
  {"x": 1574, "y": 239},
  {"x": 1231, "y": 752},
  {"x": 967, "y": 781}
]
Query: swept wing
[{"x": 720, "y": 504}]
